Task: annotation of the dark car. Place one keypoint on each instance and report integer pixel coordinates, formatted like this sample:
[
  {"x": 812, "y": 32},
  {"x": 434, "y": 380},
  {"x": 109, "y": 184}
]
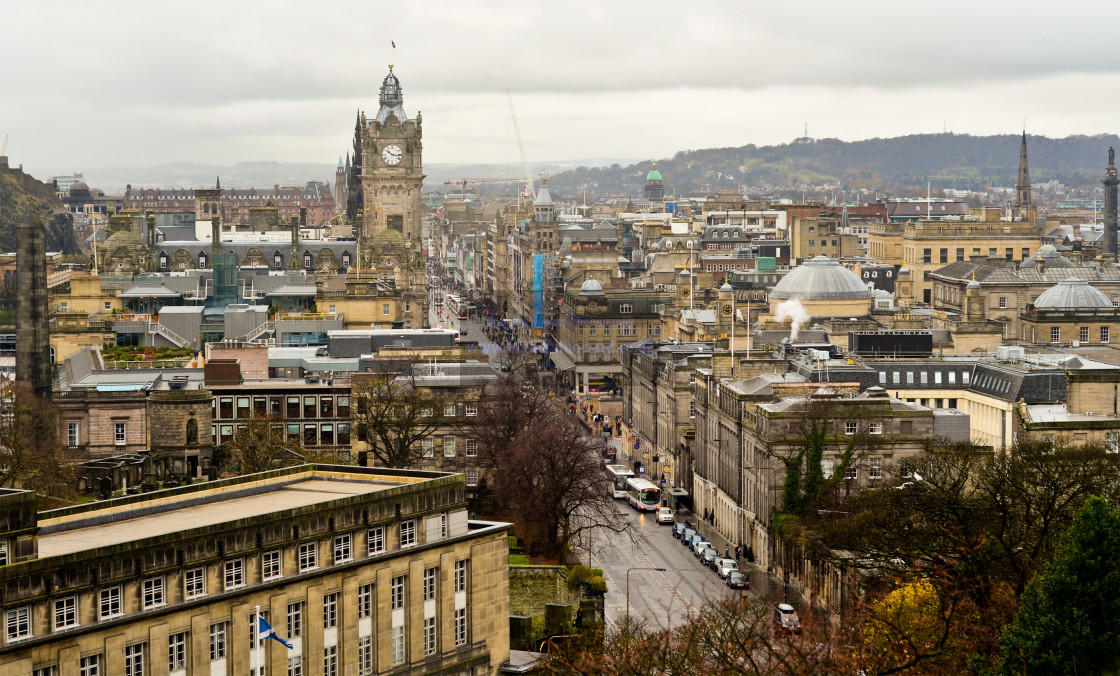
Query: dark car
[
  {"x": 686, "y": 536},
  {"x": 708, "y": 556},
  {"x": 738, "y": 580},
  {"x": 678, "y": 529}
]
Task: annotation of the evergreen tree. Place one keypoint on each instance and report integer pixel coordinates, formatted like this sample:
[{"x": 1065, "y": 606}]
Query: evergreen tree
[{"x": 1069, "y": 622}]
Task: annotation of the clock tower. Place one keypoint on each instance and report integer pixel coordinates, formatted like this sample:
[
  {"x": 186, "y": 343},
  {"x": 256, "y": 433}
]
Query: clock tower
[{"x": 392, "y": 170}]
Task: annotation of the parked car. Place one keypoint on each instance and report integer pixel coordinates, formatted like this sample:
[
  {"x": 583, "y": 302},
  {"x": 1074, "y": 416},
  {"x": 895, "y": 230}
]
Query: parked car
[
  {"x": 665, "y": 515},
  {"x": 737, "y": 579},
  {"x": 700, "y": 546},
  {"x": 708, "y": 555},
  {"x": 725, "y": 567},
  {"x": 692, "y": 538},
  {"x": 786, "y": 620},
  {"x": 678, "y": 530}
]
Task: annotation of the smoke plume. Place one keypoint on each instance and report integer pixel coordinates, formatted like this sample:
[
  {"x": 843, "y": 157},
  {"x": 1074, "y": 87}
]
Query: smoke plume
[{"x": 793, "y": 311}]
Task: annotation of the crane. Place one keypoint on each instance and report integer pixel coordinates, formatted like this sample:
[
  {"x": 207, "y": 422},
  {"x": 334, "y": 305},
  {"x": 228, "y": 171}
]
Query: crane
[
  {"x": 530, "y": 189},
  {"x": 4, "y": 150},
  {"x": 464, "y": 182}
]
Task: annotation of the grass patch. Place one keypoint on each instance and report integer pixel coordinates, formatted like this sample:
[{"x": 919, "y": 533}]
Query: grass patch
[{"x": 518, "y": 560}]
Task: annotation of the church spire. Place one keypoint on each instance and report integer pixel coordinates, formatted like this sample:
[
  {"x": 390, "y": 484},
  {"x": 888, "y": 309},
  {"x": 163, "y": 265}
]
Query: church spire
[{"x": 1023, "y": 185}]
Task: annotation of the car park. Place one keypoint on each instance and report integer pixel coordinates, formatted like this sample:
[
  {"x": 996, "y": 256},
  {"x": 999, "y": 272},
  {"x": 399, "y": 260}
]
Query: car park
[
  {"x": 725, "y": 567},
  {"x": 786, "y": 620},
  {"x": 708, "y": 555},
  {"x": 678, "y": 530},
  {"x": 664, "y": 515},
  {"x": 737, "y": 579}
]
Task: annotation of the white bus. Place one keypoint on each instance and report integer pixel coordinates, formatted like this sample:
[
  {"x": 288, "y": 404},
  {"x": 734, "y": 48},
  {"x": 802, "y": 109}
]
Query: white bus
[
  {"x": 619, "y": 474},
  {"x": 643, "y": 495}
]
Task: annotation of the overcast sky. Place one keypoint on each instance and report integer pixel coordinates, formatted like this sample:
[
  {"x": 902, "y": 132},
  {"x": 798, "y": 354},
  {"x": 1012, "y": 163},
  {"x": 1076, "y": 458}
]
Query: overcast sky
[{"x": 90, "y": 85}]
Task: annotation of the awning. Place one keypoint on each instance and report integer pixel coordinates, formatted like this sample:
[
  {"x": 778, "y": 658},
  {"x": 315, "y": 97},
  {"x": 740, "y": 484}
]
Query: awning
[{"x": 563, "y": 362}]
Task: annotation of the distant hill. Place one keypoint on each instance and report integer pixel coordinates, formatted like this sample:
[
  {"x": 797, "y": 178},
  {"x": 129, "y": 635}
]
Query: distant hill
[
  {"x": 896, "y": 165},
  {"x": 20, "y": 197}
]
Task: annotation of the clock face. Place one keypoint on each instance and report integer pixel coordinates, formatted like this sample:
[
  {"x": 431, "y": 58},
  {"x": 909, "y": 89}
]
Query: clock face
[
  {"x": 727, "y": 310},
  {"x": 684, "y": 292},
  {"x": 392, "y": 155}
]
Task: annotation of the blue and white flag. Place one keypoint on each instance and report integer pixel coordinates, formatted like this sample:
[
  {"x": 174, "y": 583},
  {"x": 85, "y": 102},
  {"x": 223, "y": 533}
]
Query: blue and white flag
[{"x": 266, "y": 632}]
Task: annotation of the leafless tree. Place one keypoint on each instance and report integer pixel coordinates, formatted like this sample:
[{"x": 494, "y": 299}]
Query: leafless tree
[
  {"x": 393, "y": 416},
  {"x": 261, "y": 444},
  {"x": 31, "y": 456}
]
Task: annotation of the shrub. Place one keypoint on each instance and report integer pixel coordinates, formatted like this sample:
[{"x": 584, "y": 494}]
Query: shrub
[{"x": 597, "y": 584}]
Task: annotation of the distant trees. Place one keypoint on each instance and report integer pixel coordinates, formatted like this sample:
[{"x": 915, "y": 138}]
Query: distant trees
[
  {"x": 31, "y": 456},
  {"x": 260, "y": 444},
  {"x": 393, "y": 416}
]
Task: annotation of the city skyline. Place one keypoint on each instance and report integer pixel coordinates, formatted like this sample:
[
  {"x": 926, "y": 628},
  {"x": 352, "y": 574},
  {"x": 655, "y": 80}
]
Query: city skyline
[{"x": 124, "y": 84}]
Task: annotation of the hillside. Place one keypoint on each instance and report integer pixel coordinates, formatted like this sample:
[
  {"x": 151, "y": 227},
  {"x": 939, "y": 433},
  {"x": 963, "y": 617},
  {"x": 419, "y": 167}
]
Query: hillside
[
  {"x": 893, "y": 165},
  {"x": 21, "y": 196}
]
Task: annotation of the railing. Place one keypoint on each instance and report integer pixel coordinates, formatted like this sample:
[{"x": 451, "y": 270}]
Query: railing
[
  {"x": 59, "y": 278},
  {"x": 155, "y": 328},
  {"x": 180, "y": 362}
]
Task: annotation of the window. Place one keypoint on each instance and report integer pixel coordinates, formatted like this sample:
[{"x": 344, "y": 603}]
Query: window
[
  {"x": 153, "y": 592},
  {"x": 118, "y": 433},
  {"x": 428, "y": 447},
  {"x": 376, "y": 540},
  {"x": 1055, "y": 334},
  {"x": 875, "y": 468},
  {"x": 852, "y": 472},
  {"x": 1084, "y": 334},
  {"x": 177, "y": 651},
  {"x": 461, "y": 576},
  {"x": 398, "y": 646},
  {"x": 460, "y": 626},
  {"x": 827, "y": 468},
  {"x": 626, "y": 308},
  {"x": 426, "y": 412},
  {"x": 429, "y": 636},
  {"x": 66, "y": 612},
  {"x": 365, "y": 656},
  {"x": 430, "y": 584},
  {"x": 691, "y": 409},
  {"x": 851, "y": 428},
  {"x": 45, "y": 671},
  {"x": 449, "y": 410},
  {"x": 110, "y": 602},
  {"x": 472, "y": 476},
  {"x": 1104, "y": 334},
  {"x": 19, "y": 623},
  {"x": 408, "y": 533},
  {"x": 937, "y": 377},
  {"x": 396, "y": 593},
  {"x": 72, "y": 434},
  {"x": 217, "y": 640},
  {"x": 471, "y": 410},
  {"x": 1112, "y": 442},
  {"x": 90, "y": 665},
  {"x": 295, "y": 620},
  {"x": 134, "y": 660},
  {"x": 952, "y": 377},
  {"x": 943, "y": 255},
  {"x": 235, "y": 574},
  {"x": 330, "y": 661},
  {"x": 875, "y": 428},
  {"x": 927, "y": 255},
  {"x": 365, "y": 600},
  {"x": 194, "y": 582},
  {"x": 342, "y": 549},
  {"x": 330, "y": 610},
  {"x": 270, "y": 564},
  {"x": 308, "y": 556},
  {"x": 295, "y": 666},
  {"x": 385, "y": 309},
  {"x": 472, "y": 448},
  {"x": 1003, "y": 302},
  {"x": 3, "y": 552},
  {"x": 449, "y": 447}
]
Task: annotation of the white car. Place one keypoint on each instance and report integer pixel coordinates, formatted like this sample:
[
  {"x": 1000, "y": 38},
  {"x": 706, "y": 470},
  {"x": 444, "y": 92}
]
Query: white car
[
  {"x": 700, "y": 546},
  {"x": 724, "y": 567},
  {"x": 664, "y": 515}
]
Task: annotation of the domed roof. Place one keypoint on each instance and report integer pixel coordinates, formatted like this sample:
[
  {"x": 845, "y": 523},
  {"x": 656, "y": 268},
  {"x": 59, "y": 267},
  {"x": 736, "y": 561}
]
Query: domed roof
[
  {"x": 1047, "y": 249},
  {"x": 591, "y": 287},
  {"x": 973, "y": 285},
  {"x": 654, "y": 174},
  {"x": 1072, "y": 294},
  {"x": 726, "y": 288},
  {"x": 821, "y": 278},
  {"x": 78, "y": 186}
]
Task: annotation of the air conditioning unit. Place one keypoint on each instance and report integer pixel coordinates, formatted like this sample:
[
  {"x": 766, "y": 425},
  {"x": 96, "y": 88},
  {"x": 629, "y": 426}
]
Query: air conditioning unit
[{"x": 1075, "y": 343}]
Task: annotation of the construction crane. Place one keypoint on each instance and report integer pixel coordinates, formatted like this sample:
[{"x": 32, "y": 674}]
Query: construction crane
[
  {"x": 470, "y": 181},
  {"x": 530, "y": 189}
]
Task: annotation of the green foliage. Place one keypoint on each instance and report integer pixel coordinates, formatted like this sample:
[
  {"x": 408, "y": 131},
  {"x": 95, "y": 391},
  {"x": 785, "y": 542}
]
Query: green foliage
[
  {"x": 578, "y": 574},
  {"x": 1068, "y": 622},
  {"x": 805, "y": 483},
  {"x": 597, "y": 584},
  {"x": 21, "y": 198},
  {"x": 518, "y": 560}
]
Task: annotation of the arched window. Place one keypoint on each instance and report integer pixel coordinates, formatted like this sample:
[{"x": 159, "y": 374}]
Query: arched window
[
  {"x": 202, "y": 260},
  {"x": 277, "y": 260},
  {"x": 345, "y": 259},
  {"x": 192, "y": 431},
  {"x": 307, "y": 259},
  {"x": 163, "y": 260}
]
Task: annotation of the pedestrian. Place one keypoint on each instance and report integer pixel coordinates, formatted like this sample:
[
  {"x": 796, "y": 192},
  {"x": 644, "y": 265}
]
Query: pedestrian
[{"x": 738, "y": 552}]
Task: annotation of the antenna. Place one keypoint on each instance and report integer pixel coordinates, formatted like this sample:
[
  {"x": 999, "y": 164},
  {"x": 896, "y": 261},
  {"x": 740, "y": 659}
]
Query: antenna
[{"x": 806, "y": 134}]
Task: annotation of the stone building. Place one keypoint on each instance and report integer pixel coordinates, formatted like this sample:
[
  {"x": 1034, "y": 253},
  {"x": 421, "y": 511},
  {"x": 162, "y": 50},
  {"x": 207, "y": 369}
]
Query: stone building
[
  {"x": 1070, "y": 313},
  {"x": 361, "y": 570},
  {"x": 33, "y": 357}
]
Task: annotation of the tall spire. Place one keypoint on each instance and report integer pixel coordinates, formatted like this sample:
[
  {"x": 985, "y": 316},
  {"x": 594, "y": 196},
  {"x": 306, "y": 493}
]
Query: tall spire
[
  {"x": 1023, "y": 185},
  {"x": 1111, "y": 245},
  {"x": 218, "y": 183}
]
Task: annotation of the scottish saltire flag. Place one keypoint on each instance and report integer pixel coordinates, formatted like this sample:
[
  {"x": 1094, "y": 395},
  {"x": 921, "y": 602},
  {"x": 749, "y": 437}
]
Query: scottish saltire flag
[{"x": 267, "y": 632}]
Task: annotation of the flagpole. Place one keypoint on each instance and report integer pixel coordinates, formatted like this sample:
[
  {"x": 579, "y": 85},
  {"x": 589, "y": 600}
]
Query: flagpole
[
  {"x": 733, "y": 313},
  {"x": 258, "y": 646}
]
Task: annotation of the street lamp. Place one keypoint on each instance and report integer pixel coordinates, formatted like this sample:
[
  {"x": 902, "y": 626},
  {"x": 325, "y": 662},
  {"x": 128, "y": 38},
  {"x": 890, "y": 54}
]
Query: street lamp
[{"x": 662, "y": 570}]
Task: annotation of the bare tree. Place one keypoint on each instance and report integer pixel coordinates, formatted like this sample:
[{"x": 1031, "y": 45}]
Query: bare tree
[
  {"x": 261, "y": 444},
  {"x": 393, "y": 415},
  {"x": 31, "y": 456}
]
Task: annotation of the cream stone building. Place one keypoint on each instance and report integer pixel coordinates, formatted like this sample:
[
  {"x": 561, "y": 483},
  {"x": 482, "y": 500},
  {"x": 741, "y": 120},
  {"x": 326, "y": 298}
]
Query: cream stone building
[{"x": 363, "y": 571}]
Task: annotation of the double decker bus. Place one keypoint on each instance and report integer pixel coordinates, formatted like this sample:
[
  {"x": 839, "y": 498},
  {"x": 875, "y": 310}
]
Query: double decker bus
[
  {"x": 457, "y": 306},
  {"x": 643, "y": 495},
  {"x": 618, "y": 475}
]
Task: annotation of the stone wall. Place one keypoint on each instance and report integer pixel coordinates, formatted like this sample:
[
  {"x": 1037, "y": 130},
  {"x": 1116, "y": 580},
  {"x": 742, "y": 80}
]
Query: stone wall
[{"x": 533, "y": 587}]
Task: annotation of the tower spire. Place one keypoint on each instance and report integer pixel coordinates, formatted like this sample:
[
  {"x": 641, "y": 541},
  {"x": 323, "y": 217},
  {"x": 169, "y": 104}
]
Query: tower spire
[{"x": 1023, "y": 185}]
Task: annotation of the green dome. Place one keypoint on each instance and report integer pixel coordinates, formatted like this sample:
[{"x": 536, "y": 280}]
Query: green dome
[{"x": 653, "y": 175}]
